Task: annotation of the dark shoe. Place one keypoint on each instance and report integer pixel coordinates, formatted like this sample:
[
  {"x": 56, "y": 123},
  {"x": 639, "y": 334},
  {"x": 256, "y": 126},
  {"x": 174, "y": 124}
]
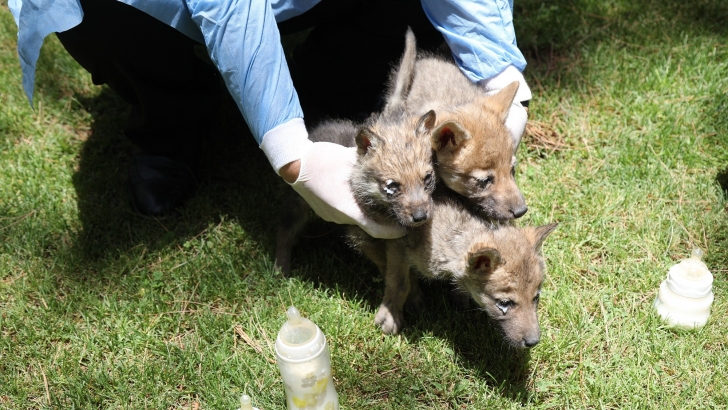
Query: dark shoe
[{"x": 159, "y": 184}]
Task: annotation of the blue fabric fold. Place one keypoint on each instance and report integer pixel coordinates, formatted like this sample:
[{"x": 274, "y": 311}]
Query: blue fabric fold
[{"x": 243, "y": 41}]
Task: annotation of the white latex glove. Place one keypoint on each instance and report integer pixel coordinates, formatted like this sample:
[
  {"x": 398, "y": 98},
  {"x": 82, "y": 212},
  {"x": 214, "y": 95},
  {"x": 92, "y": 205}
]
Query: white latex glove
[
  {"x": 518, "y": 115},
  {"x": 516, "y": 121},
  {"x": 323, "y": 181}
]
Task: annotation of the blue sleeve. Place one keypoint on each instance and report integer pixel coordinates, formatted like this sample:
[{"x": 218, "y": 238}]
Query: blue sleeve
[
  {"x": 243, "y": 41},
  {"x": 36, "y": 19},
  {"x": 241, "y": 37},
  {"x": 479, "y": 33}
]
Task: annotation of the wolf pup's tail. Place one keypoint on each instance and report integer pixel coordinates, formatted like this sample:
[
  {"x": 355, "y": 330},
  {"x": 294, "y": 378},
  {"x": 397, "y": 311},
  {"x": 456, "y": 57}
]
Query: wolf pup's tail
[{"x": 400, "y": 79}]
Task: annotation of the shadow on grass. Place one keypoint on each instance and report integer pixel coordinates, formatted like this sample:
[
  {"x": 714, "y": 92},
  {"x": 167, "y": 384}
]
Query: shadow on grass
[
  {"x": 323, "y": 259},
  {"x": 476, "y": 340},
  {"x": 234, "y": 183},
  {"x": 722, "y": 180}
]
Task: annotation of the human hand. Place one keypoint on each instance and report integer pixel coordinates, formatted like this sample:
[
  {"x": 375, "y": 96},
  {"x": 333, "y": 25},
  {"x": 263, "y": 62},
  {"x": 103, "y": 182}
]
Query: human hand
[{"x": 323, "y": 182}]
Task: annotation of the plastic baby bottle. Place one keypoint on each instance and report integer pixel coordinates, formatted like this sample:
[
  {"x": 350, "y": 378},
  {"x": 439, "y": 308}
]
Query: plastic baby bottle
[
  {"x": 305, "y": 363},
  {"x": 686, "y": 295}
]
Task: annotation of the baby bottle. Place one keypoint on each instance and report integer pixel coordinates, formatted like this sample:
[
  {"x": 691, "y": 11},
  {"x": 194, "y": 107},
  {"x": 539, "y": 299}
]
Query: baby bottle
[
  {"x": 686, "y": 295},
  {"x": 305, "y": 363}
]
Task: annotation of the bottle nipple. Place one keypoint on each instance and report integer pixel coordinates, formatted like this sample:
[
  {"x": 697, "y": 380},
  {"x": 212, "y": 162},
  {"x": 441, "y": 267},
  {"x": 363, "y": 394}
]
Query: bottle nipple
[
  {"x": 294, "y": 316},
  {"x": 697, "y": 254},
  {"x": 245, "y": 402}
]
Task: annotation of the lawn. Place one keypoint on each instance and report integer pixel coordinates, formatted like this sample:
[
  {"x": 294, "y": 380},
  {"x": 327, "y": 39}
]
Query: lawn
[{"x": 627, "y": 149}]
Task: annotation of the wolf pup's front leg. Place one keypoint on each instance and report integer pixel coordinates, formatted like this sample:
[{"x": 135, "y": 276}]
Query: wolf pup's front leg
[
  {"x": 294, "y": 216},
  {"x": 415, "y": 299},
  {"x": 396, "y": 289}
]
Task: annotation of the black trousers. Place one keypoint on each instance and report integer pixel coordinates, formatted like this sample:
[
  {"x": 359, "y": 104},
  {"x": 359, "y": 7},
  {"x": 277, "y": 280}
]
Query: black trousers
[
  {"x": 342, "y": 67},
  {"x": 339, "y": 70},
  {"x": 153, "y": 67}
]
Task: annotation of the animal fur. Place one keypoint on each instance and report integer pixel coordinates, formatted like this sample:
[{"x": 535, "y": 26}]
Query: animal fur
[
  {"x": 393, "y": 178},
  {"x": 475, "y": 152},
  {"x": 499, "y": 266}
]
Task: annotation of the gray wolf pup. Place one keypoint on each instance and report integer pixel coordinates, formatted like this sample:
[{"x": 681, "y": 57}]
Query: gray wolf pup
[
  {"x": 475, "y": 152},
  {"x": 499, "y": 266},
  {"x": 392, "y": 180}
]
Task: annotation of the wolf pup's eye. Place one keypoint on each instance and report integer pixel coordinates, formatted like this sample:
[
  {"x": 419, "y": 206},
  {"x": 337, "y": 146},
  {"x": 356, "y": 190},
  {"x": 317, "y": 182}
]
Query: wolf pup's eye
[
  {"x": 504, "y": 305},
  {"x": 513, "y": 171},
  {"x": 484, "y": 182},
  {"x": 391, "y": 187},
  {"x": 428, "y": 179}
]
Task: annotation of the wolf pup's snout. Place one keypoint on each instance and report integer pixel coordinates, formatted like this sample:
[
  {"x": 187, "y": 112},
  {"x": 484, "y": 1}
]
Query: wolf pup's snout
[
  {"x": 418, "y": 205},
  {"x": 525, "y": 332},
  {"x": 519, "y": 211},
  {"x": 532, "y": 341},
  {"x": 419, "y": 215}
]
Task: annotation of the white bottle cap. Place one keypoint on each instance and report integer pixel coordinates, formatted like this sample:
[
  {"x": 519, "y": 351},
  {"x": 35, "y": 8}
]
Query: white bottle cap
[
  {"x": 299, "y": 339},
  {"x": 691, "y": 277}
]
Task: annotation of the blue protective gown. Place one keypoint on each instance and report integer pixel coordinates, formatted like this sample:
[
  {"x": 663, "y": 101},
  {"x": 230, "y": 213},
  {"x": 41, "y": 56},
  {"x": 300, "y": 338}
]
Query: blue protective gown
[{"x": 242, "y": 40}]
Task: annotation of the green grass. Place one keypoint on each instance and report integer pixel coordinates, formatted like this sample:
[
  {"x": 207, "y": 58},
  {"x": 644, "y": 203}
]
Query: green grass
[{"x": 100, "y": 308}]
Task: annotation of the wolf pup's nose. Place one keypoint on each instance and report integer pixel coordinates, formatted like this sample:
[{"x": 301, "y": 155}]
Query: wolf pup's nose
[
  {"x": 419, "y": 215},
  {"x": 520, "y": 211},
  {"x": 531, "y": 342}
]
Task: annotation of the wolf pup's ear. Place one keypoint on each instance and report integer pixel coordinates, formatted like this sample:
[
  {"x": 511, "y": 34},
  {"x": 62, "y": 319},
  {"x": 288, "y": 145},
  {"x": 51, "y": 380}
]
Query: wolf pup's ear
[
  {"x": 501, "y": 101},
  {"x": 483, "y": 261},
  {"x": 538, "y": 235},
  {"x": 449, "y": 135},
  {"x": 366, "y": 139},
  {"x": 402, "y": 77},
  {"x": 426, "y": 123}
]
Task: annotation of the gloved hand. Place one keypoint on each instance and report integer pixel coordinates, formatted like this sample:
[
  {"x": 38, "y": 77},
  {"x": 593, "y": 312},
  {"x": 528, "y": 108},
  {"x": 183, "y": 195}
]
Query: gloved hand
[
  {"x": 518, "y": 115},
  {"x": 323, "y": 181},
  {"x": 516, "y": 121}
]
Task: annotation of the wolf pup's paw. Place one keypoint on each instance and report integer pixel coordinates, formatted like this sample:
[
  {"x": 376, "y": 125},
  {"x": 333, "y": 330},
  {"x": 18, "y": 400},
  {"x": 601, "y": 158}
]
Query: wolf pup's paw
[
  {"x": 391, "y": 321},
  {"x": 283, "y": 268}
]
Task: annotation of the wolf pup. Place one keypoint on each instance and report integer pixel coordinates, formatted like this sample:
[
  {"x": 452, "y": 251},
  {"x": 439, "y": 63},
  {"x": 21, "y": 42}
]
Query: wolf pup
[
  {"x": 392, "y": 180},
  {"x": 475, "y": 151},
  {"x": 499, "y": 266}
]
